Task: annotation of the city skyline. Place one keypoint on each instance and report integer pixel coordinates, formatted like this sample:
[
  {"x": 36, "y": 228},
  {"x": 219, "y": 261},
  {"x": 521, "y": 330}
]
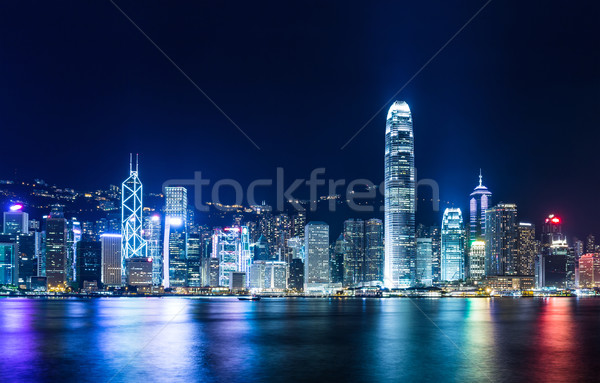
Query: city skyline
[
  {"x": 299, "y": 191},
  {"x": 461, "y": 105}
]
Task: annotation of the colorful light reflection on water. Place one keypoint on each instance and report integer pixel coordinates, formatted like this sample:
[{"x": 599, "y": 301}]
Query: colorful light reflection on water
[{"x": 226, "y": 340}]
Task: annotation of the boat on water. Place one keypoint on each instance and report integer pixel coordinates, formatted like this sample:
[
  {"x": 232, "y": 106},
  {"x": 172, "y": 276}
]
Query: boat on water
[{"x": 249, "y": 298}]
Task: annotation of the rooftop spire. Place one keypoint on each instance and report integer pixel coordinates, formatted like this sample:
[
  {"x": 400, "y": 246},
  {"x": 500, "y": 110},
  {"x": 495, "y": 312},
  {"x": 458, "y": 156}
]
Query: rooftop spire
[
  {"x": 130, "y": 162},
  {"x": 137, "y": 157},
  {"x": 480, "y": 178}
]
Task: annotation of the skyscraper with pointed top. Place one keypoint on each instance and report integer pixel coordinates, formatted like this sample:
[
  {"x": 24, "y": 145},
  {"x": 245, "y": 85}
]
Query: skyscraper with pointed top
[
  {"x": 132, "y": 243},
  {"x": 400, "y": 245},
  {"x": 481, "y": 200}
]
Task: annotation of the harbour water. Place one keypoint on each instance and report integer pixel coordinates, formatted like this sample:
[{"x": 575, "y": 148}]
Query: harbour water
[{"x": 289, "y": 340}]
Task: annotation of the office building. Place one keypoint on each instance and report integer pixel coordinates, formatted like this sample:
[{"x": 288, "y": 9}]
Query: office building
[
  {"x": 589, "y": 271},
  {"x": 477, "y": 260},
  {"x": 275, "y": 276},
  {"x": 175, "y": 237},
  {"x": 374, "y": 251},
  {"x": 527, "y": 249},
  {"x": 15, "y": 220},
  {"x": 501, "y": 240},
  {"x": 480, "y": 200},
  {"x": 139, "y": 273},
  {"x": 296, "y": 277},
  {"x": 152, "y": 235},
  {"x": 354, "y": 238},
  {"x": 424, "y": 264},
  {"x": 55, "y": 245},
  {"x": 133, "y": 244},
  {"x": 400, "y": 244},
  {"x": 112, "y": 262},
  {"x": 336, "y": 260},
  {"x": 194, "y": 259},
  {"x": 316, "y": 264},
  {"x": 555, "y": 264},
  {"x": 453, "y": 246},
  {"x": 89, "y": 263},
  {"x": 8, "y": 264}
]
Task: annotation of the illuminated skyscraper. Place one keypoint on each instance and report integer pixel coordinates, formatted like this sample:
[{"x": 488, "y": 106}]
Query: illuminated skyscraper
[
  {"x": 227, "y": 249},
  {"x": 316, "y": 264},
  {"x": 8, "y": 268},
  {"x": 152, "y": 231},
  {"x": 477, "y": 260},
  {"x": 555, "y": 264},
  {"x": 589, "y": 271},
  {"x": 194, "y": 259},
  {"x": 15, "y": 220},
  {"x": 374, "y": 251},
  {"x": 453, "y": 246},
  {"x": 132, "y": 245},
  {"x": 501, "y": 240},
  {"x": 590, "y": 244},
  {"x": 481, "y": 199},
  {"x": 400, "y": 245},
  {"x": 56, "y": 249},
  {"x": 354, "y": 254},
  {"x": 112, "y": 264},
  {"x": 527, "y": 249},
  {"x": 424, "y": 261},
  {"x": 336, "y": 260},
  {"x": 175, "y": 240}
]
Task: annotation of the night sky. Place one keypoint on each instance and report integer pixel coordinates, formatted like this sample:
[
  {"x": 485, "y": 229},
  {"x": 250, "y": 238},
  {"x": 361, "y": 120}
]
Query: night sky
[{"x": 517, "y": 93}]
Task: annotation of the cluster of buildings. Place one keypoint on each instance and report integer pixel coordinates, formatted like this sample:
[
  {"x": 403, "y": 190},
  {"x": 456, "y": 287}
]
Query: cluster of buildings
[
  {"x": 157, "y": 250},
  {"x": 493, "y": 249}
]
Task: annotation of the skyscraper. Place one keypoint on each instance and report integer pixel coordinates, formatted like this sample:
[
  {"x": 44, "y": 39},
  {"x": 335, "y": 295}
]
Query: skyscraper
[
  {"x": 555, "y": 266},
  {"x": 477, "y": 260},
  {"x": 424, "y": 260},
  {"x": 227, "y": 249},
  {"x": 354, "y": 237},
  {"x": 152, "y": 231},
  {"x": 89, "y": 264},
  {"x": 374, "y": 250},
  {"x": 527, "y": 249},
  {"x": 175, "y": 240},
  {"x": 316, "y": 265},
  {"x": 453, "y": 245},
  {"x": 336, "y": 260},
  {"x": 400, "y": 246},
  {"x": 56, "y": 249},
  {"x": 296, "y": 277},
  {"x": 589, "y": 271},
  {"x": 501, "y": 236},
  {"x": 590, "y": 244},
  {"x": 8, "y": 269},
  {"x": 15, "y": 220},
  {"x": 133, "y": 245},
  {"x": 481, "y": 199},
  {"x": 112, "y": 263},
  {"x": 194, "y": 259}
]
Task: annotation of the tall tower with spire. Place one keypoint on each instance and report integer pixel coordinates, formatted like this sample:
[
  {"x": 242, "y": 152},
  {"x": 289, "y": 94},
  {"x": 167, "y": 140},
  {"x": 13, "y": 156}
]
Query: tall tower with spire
[
  {"x": 132, "y": 243},
  {"x": 481, "y": 199},
  {"x": 400, "y": 242}
]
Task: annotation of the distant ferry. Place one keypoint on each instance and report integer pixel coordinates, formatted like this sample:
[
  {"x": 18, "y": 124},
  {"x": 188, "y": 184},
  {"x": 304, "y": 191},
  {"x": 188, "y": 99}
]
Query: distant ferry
[{"x": 249, "y": 298}]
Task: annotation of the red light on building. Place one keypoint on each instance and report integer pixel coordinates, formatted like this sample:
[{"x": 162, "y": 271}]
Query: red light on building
[{"x": 556, "y": 220}]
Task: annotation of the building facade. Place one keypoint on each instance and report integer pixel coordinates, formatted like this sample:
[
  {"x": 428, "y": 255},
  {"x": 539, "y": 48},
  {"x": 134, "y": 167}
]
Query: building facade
[
  {"x": 501, "y": 240},
  {"x": 399, "y": 197},
  {"x": 453, "y": 246},
  {"x": 133, "y": 244},
  {"x": 316, "y": 265}
]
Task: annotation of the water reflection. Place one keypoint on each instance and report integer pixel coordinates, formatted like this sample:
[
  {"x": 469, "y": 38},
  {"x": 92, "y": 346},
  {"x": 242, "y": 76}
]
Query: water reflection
[{"x": 225, "y": 340}]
